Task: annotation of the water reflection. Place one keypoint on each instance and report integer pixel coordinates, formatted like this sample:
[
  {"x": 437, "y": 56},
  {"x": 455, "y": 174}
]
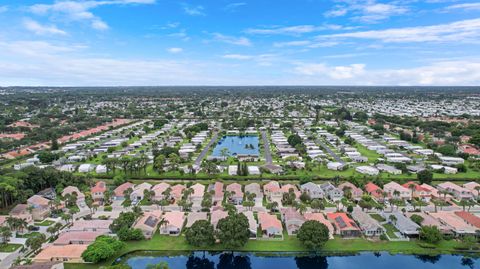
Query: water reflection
[
  {"x": 199, "y": 263},
  {"x": 428, "y": 258},
  {"x": 308, "y": 262},
  {"x": 372, "y": 260}
]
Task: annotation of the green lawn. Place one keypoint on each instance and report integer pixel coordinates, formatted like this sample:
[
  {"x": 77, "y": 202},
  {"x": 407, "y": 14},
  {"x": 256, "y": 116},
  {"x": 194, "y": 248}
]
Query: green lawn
[
  {"x": 9, "y": 247},
  {"x": 377, "y": 217},
  {"x": 32, "y": 234},
  {"x": 45, "y": 223},
  {"x": 391, "y": 230},
  {"x": 289, "y": 244}
]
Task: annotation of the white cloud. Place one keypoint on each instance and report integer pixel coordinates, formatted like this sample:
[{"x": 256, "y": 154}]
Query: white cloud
[
  {"x": 297, "y": 43},
  {"x": 80, "y": 11},
  {"x": 334, "y": 72},
  {"x": 237, "y": 57},
  {"x": 295, "y": 29},
  {"x": 368, "y": 11},
  {"x": 233, "y": 6},
  {"x": 194, "y": 10},
  {"x": 175, "y": 50},
  {"x": 460, "y": 31},
  {"x": 450, "y": 73},
  {"x": 239, "y": 41},
  {"x": 39, "y": 29},
  {"x": 465, "y": 6}
]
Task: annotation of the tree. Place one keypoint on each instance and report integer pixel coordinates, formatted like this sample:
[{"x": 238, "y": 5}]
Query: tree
[
  {"x": 159, "y": 163},
  {"x": 124, "y": 220},
  {"x": 417, "y": 219},
  {"x": 294, "y": 140},
  {"x": 475, "y": 139},
  {"x": 174, "y": 160},
  {"x": 200, "y": 234},
  {"x": 102, "y": 249},
  {"x": 425, "y": 176},
  {"x": 129, "y": 234},
  {"x": 430, "y": 234},
  {"x": 35, "y": 242},
  {"x": 313, "y": 234},
  {"x": 233, "y": 230},
  {"x": 5, "y": 234}
]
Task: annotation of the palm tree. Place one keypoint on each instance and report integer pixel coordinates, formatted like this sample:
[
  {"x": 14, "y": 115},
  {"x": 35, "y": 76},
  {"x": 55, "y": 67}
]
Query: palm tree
[
  {"x": 392, "y": 219},
  {"x": 412, "y": 186}
]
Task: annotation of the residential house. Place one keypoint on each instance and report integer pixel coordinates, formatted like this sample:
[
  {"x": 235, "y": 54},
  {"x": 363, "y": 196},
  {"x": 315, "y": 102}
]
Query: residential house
[
  {"x": 474, "y": 187},
  {"x": 159, "y": 190},
  {"x": 331, "y": 192},
  {"x": 419, "y": 192},
  {"x": 173, "y": 223},
  {"x": 272, "y": 191},
  {"x": 321, "y": 218},
  {"x": 21, "y": 211},
  {"x": 39, "y": 207},
  {"x": 374, "y": 191},
  {"x": 139, "y": 191},
  {"x": 94, "y": 225},
  {"x": 118, "y": 193},
  {"x": 148, "y": 223},
  {"x": 368, "y": 225},
  {"x": 72, "y": 190},
  {"x": 217, "y": 196},
  {"x": 469, "y": 218},
  {"x": 98, "y": 191},
  {"x": 397, "y": 191},
  {"x": 454, "y": 222},
  {"x": 76, "y": 238},
  {"x": 403, "y": 224},
  {"x": 293, "y": 219},
  {"x": 344, "y": 225},
  {"x": 216, "y": 216},
  {"x": 177, "y": 192},
  {"x": 428, "y": 220},
  {"x": 198, "y": 192},
  {"x": 255, "y": 189},
  {"x": 356, "y": 192},
  {"x": 460, "y": 193},
  {"x": 235, "y": 193},
  {"x": 195, "y": 216},
  {"x": 313, "y": 190},
  {"x": 270, "y": 225},
  {"x": 68, "y": 253}
]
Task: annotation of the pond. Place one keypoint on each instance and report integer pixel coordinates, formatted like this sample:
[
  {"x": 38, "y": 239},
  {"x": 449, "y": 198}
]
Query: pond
[
  {"x": 201, "y": 260},
  {"x": 237, "y": 145}
]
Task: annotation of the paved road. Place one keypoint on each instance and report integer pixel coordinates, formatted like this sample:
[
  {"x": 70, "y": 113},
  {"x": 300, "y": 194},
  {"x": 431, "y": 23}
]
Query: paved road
[
  {"x": 204, "y": 152},
  {"x": 333, "y": 154},
  {"x": 266, "y": 146}
]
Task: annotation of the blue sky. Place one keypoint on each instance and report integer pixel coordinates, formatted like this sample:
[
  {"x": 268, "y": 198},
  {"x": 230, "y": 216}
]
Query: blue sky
[{"x": 225, "y": 42}]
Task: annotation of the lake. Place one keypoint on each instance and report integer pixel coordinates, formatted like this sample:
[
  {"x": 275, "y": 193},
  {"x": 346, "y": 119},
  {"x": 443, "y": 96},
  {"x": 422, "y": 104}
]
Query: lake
[
  {"x": 237, "y": 145},
  {"x": 201, "y": 260}
]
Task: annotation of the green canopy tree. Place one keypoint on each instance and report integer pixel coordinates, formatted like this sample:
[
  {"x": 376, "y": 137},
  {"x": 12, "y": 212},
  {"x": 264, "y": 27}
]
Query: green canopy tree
[
  {"x": 313, "y": 235},
  {"x": 233, "y": 230},
  {"x": 200, "y": 234}
]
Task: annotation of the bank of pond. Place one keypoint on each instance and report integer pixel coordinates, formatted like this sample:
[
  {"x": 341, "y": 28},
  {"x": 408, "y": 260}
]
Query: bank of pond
[{"x": 271, "y": 260}]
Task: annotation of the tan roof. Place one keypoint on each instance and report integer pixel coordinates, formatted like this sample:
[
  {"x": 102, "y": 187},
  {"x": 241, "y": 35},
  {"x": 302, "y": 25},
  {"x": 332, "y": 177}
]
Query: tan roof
[
  {"x": 269, "y": 221},
  {"x": 75, "y": 236},
  {"x": 120, "y": 189},
  {"x": 68, "y": 251},
  {"x": 38, "y": 200},
  {"x": 175, "y": 218}
]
